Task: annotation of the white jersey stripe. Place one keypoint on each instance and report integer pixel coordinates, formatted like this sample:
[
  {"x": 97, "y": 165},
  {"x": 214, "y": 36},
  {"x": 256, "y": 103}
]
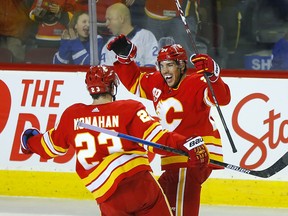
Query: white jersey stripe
[
  {"x": 214, "y": 149},
  {"x": 154, "y": 133},
  {"x": 48, "y": 143},
  {"x": 107, "y": 172}
]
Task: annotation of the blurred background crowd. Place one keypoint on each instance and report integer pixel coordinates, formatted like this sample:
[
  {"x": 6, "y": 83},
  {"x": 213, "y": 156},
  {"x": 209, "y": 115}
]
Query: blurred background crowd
[{"x": 238, "y": 34}]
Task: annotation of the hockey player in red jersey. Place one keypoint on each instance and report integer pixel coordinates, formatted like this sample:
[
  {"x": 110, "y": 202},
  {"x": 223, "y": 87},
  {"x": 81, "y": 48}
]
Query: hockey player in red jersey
[
  {"x": 182, "y": 102},
  {"x": 116, "y": 171}
]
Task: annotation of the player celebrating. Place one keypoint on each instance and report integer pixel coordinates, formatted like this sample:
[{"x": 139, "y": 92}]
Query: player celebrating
[
  {"x": 183, "y": 104},
  {"x": 117, "y": 172}
]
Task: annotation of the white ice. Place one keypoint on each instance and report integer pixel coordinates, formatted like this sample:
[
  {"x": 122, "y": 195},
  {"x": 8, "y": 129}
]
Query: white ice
[{"x": 29, "y": 206}]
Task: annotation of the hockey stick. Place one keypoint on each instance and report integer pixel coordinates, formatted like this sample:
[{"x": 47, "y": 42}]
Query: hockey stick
[
  {"x": 206, "y": 77},
  {"x": 270, "y": 171},
  {"x": 130, "y": 138}
]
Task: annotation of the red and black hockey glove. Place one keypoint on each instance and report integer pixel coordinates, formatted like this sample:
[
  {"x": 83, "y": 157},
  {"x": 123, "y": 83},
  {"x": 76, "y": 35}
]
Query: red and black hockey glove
[
  {"x": 197, "y": 151},
  {"x": 124, "y": 49},
  {"x": 205, "y": 64},
  {"x": 28, "y": 133}
]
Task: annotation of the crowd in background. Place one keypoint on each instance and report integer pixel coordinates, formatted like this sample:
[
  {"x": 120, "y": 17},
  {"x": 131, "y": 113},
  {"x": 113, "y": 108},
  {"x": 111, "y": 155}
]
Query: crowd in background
[{"x": 226, "y": 30}]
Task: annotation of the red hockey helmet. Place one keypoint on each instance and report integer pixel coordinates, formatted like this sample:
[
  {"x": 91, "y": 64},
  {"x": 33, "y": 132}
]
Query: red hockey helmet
[
  {"x": 101, "y": 79},
  {"x": 172, "y": 52}
]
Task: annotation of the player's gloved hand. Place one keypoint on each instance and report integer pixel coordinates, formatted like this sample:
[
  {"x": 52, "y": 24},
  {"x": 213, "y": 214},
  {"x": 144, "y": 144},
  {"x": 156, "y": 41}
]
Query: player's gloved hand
[
  {"x": 124, "y": 49},
  {"x": 30, "y": 132},
  {"x": 205, "y": 64},
  {"x": 197, "y": 151}
]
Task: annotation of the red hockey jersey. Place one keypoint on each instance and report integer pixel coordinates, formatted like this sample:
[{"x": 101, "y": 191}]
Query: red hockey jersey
[
  {"x": 102, "y": 161},
  {"x": 165, "y": 10},
  {"x": 185, "y": 110}
]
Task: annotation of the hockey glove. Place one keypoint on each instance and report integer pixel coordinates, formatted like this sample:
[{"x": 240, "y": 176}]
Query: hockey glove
[
  {"x": 205, "y": 64},
  {"x": 197, "y": 151},
  {"x": 24, "y": 139},
  {"x": 124, "y": 49}
]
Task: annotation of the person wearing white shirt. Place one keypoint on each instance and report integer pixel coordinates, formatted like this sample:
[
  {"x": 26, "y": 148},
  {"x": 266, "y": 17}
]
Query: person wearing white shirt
[{"x": 118, "y": 21}]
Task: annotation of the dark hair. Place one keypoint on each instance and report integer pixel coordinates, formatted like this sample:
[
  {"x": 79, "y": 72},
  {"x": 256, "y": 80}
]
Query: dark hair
[
  {"x": 75, "y": 18},
  {"x": 97, "y": 96}
]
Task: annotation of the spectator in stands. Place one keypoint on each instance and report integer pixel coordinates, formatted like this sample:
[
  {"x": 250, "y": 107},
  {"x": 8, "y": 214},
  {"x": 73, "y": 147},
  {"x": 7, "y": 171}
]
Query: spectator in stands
[
  {"x": 280, "y": 8},
  {"x": 101, "y": 6},
  {"x": 137, "y": 12},
  {"x": 118, "y": 21},
  {"x": 280, "y": 54},
  {"x": 15, "y": 27},
  {"x": 75, "y": 44},
  {"x": 163, "y": 20},
  {"x": 52, "y": 18}
]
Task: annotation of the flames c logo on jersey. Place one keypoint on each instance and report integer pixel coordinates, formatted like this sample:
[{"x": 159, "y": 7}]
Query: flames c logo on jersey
[{"x": 168, "y": 111}]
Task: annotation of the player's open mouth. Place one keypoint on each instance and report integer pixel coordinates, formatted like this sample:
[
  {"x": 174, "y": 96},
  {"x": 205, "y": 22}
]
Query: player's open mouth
[
  {"x": 86, "y": 30},
  {"x": 167, "y": 78}
]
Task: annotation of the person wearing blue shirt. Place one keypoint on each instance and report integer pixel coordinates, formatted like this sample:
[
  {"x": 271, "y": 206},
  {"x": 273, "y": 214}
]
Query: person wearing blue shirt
[
  {"x": 75, "y": 44},
  {"x": 280, "y": 54}
]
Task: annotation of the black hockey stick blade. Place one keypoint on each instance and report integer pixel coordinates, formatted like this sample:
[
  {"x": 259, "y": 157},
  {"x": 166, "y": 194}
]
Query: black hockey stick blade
[
  {"x": 266, "y": 173},
  {"x": 276, "y": 167}
]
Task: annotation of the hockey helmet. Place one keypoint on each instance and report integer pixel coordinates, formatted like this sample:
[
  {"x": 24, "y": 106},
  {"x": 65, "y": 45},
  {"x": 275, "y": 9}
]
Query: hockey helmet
[
  {"x": 172, "y": 52},
  {"x": 101, "y": 79}
]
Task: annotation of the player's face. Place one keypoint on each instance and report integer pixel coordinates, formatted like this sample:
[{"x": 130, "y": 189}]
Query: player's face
[
  {"x": 171, "y": 72},
  {"x": 82, "y": 26},
  {"x": 113, "y": 22}
]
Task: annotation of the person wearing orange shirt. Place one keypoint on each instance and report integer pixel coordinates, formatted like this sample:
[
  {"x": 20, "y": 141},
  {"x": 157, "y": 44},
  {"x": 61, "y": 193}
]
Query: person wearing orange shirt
[{"x": 15, "y": 27}]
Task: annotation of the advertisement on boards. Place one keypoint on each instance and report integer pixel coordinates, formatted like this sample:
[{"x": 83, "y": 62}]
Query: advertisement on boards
[{"x": 256, "y": 118}]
